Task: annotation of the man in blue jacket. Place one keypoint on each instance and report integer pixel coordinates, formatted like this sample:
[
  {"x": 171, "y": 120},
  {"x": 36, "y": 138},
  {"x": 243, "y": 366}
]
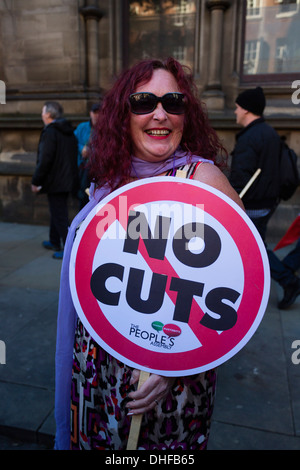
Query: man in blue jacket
[
  {"x": 258, "y": 146},
  {"x": 56, "y": 172}
]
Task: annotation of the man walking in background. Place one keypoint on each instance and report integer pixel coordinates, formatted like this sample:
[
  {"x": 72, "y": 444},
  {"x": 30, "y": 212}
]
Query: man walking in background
[
  {"x": 258, "y": 147},
  {"x": 56, "y": 172}
]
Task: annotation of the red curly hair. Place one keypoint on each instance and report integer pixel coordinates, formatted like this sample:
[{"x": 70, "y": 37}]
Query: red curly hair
[{"x": 111, "y": 146}]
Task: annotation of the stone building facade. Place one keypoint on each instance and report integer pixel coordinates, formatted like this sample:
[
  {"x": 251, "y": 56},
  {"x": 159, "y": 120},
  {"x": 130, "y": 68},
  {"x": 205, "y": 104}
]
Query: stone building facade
[{"x": 71, "y": 50}]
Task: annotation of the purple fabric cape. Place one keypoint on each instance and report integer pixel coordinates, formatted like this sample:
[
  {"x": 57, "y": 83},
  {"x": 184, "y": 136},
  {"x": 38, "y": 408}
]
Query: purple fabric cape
[{"x": 67, "y": 316}]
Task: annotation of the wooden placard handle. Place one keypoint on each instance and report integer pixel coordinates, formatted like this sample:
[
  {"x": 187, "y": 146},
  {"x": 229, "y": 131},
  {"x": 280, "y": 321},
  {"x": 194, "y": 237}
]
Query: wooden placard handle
[
  {"x": 251, "y": 181},
  {"x": 136, "y": 419}
]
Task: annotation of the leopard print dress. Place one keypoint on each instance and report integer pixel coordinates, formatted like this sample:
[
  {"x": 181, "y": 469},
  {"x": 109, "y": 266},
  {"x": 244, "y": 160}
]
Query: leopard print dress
[{"x": 99, "y": 419}]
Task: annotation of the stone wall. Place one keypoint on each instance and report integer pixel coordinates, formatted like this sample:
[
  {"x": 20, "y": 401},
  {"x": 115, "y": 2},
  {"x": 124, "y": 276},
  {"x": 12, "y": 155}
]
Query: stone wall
[
  {"x": 45, "y": 54},
  {"x": 17, "y": 202},
  {"x": 39, "y": 52}
]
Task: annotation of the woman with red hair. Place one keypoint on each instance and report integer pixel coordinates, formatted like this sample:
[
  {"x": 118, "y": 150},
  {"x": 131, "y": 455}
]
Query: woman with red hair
[
  {"x": 112, "y": 145},
  {"x": 151, "y": 123}
]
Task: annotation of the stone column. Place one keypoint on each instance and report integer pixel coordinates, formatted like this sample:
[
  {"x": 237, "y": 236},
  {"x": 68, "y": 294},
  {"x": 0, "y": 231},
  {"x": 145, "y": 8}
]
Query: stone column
[
  {"x": 213, "y": 94},
  {"x": 92, "y": 15}
]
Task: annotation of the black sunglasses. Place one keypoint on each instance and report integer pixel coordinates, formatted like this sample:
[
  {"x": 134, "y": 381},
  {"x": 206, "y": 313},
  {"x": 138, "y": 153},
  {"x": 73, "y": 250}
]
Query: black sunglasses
[{"x": 144, "y": 103}]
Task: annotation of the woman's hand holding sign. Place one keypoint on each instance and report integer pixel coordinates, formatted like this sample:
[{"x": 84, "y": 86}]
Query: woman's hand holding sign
[{"x": 149, "y": 393}]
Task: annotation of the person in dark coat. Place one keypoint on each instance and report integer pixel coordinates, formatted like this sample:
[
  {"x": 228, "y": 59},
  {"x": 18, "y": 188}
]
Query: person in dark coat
[
  {"x": 56, "y": 172},
  {"x": 258, "y": 146}
]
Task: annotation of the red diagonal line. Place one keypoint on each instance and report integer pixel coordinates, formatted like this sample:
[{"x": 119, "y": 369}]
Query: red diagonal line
[{"x": 165, "y": 267}]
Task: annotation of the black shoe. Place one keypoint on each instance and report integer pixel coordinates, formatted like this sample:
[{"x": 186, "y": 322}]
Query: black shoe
[{"x": 291, "y": 292}]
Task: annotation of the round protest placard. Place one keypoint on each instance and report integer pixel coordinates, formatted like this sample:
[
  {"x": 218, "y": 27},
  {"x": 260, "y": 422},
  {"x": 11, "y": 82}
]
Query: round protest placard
[{"x": 169, "y": 276}]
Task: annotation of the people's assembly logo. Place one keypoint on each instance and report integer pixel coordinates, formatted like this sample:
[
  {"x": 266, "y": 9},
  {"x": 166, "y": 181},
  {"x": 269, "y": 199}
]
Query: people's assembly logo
[
  {"x": 169, "y": 275},
  {"x": 163, "y": 337}
]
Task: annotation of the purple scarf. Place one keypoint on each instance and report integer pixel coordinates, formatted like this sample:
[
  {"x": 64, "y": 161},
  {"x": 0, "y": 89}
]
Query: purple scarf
[{"x": 67, "y": 316}]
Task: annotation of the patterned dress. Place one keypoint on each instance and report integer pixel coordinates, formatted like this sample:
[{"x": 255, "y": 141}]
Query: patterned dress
[{"x": 100, "y": 388}]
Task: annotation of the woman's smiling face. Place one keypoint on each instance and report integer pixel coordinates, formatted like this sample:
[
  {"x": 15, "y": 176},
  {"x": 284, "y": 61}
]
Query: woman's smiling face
[{"x": 155, "y": 136}]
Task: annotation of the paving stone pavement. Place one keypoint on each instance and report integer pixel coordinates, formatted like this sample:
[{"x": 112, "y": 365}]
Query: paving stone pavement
[{"x": 257, "y": 404}]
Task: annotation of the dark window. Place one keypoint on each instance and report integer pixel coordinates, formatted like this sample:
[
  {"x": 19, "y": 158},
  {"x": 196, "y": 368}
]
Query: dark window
[{"x": 158, "y": 29}]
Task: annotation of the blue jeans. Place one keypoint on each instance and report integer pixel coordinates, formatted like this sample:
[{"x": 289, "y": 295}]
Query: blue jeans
[{"x": 282, "y": 271}]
